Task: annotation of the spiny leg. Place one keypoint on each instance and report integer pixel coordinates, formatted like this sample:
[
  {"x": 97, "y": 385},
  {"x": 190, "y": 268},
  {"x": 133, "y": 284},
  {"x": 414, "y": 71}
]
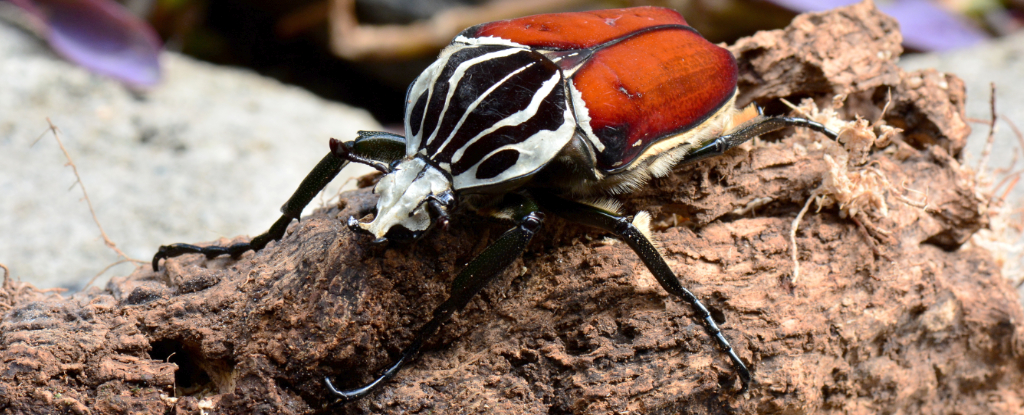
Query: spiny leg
[
  {"x": 648, "y": 253},
  {"x": 373, "y": 148},
  {"x": 480, "y": 271},
  {"x": 762, "y": 125}
]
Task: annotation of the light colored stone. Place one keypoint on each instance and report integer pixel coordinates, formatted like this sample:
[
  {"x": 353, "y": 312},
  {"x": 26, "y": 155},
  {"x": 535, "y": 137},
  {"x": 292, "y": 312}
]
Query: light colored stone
[{"x": 211, "y": 152}]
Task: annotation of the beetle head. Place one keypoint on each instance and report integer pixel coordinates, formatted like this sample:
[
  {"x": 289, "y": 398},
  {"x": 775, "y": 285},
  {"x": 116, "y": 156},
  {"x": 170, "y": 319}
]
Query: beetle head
[{"x": 413, "y": 196}]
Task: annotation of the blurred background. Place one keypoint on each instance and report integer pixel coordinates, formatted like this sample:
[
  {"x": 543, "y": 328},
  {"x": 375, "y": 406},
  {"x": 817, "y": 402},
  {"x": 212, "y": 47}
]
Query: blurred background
[
  {"x": 365, "y": 52},
  {"x": 191, "y": 120}
]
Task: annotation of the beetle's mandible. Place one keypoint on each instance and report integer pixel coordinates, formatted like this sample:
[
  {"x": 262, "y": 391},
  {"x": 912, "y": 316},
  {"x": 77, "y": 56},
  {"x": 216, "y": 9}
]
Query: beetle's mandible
[{"x": 541, "y": 115}]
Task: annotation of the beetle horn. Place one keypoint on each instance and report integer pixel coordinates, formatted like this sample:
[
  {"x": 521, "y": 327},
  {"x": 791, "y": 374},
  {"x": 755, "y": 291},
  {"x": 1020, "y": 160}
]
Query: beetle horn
[{"x": 353, "y": 224}]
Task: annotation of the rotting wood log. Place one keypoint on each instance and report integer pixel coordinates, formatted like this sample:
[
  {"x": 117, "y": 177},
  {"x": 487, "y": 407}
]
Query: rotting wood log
[{"x": 891, "y": 312}]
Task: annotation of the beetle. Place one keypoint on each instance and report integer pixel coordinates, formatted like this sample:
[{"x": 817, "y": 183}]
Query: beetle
[{"x": 541, "y": 115}]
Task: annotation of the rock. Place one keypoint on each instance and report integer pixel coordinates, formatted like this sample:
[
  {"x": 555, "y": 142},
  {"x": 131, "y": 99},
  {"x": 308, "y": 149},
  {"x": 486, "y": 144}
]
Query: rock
[{"x": 211, "y": 151}]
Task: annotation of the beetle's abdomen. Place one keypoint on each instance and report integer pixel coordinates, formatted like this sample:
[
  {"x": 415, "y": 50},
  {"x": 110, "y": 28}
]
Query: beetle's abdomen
[{"x": 488, "y": 113}]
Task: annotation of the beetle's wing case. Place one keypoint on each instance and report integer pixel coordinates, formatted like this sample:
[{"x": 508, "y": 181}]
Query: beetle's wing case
[
  {"x": 488, "y": 112},
  {"x": 581, "y": 30},
  {"x": 645, "y": 76},
  {"x": 651, "y": 87}
]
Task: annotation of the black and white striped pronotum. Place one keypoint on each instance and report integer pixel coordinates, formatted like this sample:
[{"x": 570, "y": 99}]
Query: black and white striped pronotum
[{"x": 542, "y": 114}]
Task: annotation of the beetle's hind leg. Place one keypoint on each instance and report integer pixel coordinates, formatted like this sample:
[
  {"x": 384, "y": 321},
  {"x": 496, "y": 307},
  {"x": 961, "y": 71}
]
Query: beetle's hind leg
[
  {"x": 373, "y": 148},
  {"x": 648, "y": 253},
  {"x": 761, "y": 125},
  {"x": 480, "y": 271}
]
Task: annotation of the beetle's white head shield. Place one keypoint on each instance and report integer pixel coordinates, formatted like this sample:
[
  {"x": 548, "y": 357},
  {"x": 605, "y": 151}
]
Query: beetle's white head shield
[{"x": 406, "y": 193}]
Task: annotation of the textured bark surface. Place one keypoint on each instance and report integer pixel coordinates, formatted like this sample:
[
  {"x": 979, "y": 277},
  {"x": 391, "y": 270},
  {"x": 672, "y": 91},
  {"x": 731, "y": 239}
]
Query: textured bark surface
[
  {"x": 852, "y": 51},
  {"x": 890, "y": 313}
]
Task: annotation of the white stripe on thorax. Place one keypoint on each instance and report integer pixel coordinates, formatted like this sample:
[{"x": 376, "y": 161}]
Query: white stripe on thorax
[
  {"x": 456, "y": 77},
  {"x": 476, "y": 103},
  {"x": 424, "y": 84},
  {"x": 534, "y": 152},
  {"x": 487, "y": 40},
  {"x": 583, "y": 117},
  {"x": 515, "y": 119}
]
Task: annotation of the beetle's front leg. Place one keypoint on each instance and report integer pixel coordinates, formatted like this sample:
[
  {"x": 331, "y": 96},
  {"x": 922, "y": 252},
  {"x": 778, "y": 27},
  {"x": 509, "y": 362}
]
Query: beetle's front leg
[
  {"x": 376, "y": 149},
  {"x": 480, "y": 271},
  {"x": 648, "y": 253}
]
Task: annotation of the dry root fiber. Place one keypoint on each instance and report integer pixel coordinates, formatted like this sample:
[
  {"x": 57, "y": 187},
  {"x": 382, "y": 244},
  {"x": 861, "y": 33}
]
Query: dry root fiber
[{"x": 890, "y": 314}]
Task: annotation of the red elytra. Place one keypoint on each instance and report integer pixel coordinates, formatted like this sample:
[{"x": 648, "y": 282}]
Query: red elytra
[
  {"x": 650, "y": 75},
  {"x": 564, "y": 31}
]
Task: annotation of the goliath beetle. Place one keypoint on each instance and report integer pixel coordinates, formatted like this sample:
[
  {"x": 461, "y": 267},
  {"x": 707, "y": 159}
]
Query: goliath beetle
[{"x": 541, "y": 114}]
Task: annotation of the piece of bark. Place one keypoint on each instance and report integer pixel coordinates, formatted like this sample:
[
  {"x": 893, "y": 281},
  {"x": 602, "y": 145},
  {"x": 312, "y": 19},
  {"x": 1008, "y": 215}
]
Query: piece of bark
[
  {"x": 915, "y": 324},
  {"x": 852, "y": 51}
]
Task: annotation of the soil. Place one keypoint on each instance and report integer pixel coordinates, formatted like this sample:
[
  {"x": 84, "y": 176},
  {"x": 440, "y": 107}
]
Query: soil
[{"x": 893, "y": 311}]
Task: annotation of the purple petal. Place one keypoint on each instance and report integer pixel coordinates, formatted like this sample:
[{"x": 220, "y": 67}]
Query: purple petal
[
  {"x": 804, "y": 6},
  {"x": 101, "y": 36},
  {"x": 928, "y": 27}
]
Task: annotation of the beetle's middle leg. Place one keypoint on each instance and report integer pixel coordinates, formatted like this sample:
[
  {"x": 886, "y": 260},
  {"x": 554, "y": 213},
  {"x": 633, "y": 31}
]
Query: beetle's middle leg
[
  {"x": 477, "y": 274},
  {"x": 376, "y": 149},
  {"x": 648, "y": 253}
]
